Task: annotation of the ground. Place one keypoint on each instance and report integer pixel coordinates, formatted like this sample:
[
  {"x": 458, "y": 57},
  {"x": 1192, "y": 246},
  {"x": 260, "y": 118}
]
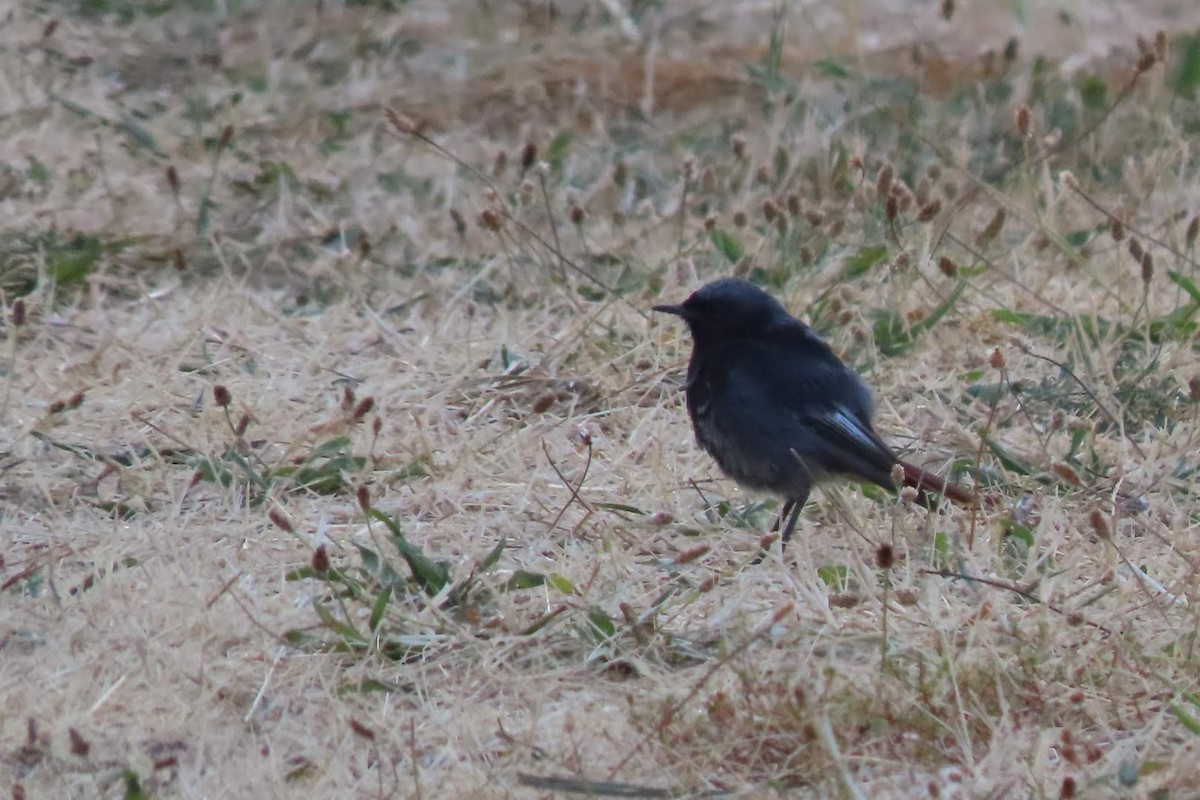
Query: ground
[{"x": 341, "y": 455}]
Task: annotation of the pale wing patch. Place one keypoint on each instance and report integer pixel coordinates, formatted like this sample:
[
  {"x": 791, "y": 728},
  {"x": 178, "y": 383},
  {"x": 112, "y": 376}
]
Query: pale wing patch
[{"x": 850, "y": 427}]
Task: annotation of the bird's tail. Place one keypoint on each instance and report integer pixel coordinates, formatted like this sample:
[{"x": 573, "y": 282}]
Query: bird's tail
[{"x": 924, "y": 481}]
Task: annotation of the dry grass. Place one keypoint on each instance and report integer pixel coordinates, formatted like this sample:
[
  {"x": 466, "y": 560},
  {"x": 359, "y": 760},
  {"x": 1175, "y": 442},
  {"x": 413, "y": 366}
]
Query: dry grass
[{"x": 227, "y": 574}]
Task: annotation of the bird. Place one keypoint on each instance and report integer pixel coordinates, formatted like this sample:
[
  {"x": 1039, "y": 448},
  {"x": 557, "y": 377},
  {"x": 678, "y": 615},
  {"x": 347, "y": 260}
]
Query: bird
[{"x": 775, "y": 407}]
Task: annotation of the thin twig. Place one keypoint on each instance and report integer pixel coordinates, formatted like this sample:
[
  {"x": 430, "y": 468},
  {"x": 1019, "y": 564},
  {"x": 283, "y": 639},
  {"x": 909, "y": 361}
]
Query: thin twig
[
  {"x": 574, "y": 489},
  {"x": 558, "y": 248},
  {"x": 1012, "y": 587},
  {"x": 1092, "y": 396}
]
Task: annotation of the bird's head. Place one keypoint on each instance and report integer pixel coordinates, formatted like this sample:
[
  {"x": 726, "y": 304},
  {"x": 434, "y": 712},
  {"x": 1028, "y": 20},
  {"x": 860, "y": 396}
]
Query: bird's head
[{"x": 728, "y": 308}]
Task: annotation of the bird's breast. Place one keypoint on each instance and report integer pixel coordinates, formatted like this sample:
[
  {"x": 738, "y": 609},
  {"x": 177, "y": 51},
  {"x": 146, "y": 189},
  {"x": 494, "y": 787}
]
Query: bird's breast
[{"x": 729, "y": 434}]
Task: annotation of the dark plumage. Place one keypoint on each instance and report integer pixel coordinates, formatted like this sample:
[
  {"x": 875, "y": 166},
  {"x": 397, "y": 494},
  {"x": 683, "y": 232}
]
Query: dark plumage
[{"x": 769, "y": 400}]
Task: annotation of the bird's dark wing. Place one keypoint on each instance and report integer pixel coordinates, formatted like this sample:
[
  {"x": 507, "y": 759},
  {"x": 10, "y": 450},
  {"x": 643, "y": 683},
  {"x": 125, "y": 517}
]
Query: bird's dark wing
[{"x": 855, "y": 448}]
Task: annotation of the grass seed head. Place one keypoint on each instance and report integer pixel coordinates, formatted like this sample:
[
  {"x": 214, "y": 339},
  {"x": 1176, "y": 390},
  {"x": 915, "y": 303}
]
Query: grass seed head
[
  {"x": 1012, "y": 49},
  {"x": 844, "y": 599},
  {"x": 769, "y": 210},
  {"x": 1135, "y": 249},
  {"x": 1116, "y": 229},
  {"x": 320, "y": 560},
  {"x": 401, "y": 122},
  {"x": 1024, "y": 121},
  {"x": 993, "y": 229},
  {"x": 528, "y": 156},
  {"x": 689, "y": 169},
  {"x": 620, "y": 173},
  {"x": 737, "y": 146},
  {"x": 79, "y": 746},
  {"x": 930, "y": 210},
  {"x": 883, "y": 182},
  {"x": 362, "y": 409},
  {"x": 1066, "y": 473},
  {"x": 490, "y": 220},
  {"x": 282, "y": 522},
  {"x": 1160, "y": 45}
]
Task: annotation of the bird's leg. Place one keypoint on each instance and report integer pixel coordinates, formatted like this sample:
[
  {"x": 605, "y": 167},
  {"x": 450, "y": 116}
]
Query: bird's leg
[
  {"x": 783, "y": 512},
  {"x": 796, "y": 504},
  {"x": 791, "y": 510}
]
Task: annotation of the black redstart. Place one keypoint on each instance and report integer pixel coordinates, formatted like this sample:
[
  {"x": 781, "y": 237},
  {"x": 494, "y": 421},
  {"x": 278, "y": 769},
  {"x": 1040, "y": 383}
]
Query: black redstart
[{"x": 774, "y": 406}]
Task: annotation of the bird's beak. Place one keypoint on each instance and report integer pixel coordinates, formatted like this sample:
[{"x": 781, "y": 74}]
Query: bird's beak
[{"x": 677, "y": 310}]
